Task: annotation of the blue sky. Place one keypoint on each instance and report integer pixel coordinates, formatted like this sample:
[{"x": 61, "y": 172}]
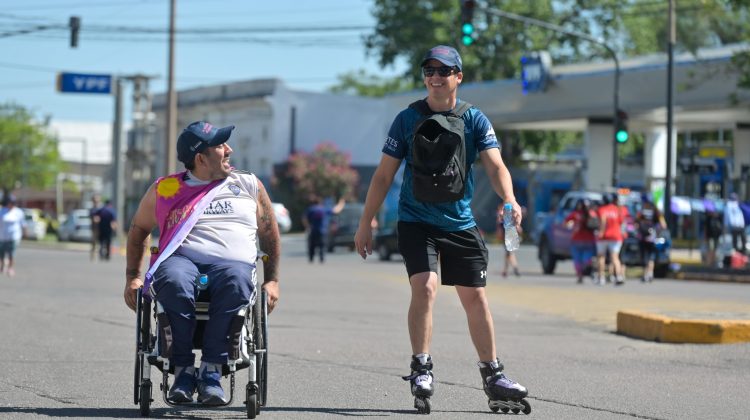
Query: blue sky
[{"x": 108, "y": 44}]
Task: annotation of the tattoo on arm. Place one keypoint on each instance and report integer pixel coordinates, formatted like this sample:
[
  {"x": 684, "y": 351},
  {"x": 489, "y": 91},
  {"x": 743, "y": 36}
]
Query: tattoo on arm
[
  {"x": 268, "y": 236},
  {"x": 136, "y": 249}
]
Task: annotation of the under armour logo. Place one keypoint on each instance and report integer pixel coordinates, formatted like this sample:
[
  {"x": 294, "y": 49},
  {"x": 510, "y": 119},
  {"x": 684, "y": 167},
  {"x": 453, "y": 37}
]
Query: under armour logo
[{"x": 483, "y": 274}]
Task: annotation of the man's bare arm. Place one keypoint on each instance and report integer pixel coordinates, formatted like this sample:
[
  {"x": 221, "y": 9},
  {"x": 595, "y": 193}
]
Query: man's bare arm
[
  {"x": 144, "y": 221},
  {"x": 270, "y": 243},
  {"x": 500, "y": 179}
]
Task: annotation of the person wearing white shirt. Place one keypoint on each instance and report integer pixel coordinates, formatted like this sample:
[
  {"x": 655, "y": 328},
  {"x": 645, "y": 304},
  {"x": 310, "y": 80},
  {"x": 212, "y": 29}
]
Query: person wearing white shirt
[
  {"x": 734, "y": 222},
  {"x": 12, "y": 222}
]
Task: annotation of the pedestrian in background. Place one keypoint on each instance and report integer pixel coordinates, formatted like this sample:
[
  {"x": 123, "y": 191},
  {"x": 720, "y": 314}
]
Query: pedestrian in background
[
  {"x": 734, "y": 223},
  {"x": 106, "y": 227},
  {"x": 96, "y": 204},
  {"x": 12, "y": 223},
  {"x": 436, "y": 226},
  {"x": 649, "y": 221},
  {"x": 582, "y": 241},
  {"x": 316, "y": 221},
  {"x": 712, "y": 230},
  {"x": 510, "y": 260},
  {"x": 609, "y": 238}
]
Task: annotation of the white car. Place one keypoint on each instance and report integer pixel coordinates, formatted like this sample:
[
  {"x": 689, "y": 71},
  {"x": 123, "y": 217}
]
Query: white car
[
  {"x": 36, "y": 226},
  {"x": 282, "y": 217},
  {"x": 76, "y": 227}
]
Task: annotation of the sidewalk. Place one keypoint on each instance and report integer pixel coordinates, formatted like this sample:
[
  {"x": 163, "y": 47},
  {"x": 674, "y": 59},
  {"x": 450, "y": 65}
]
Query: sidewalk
[{"x": 691, "y": 268}]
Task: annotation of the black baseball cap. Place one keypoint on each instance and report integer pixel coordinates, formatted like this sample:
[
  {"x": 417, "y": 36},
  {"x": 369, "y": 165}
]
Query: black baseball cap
[{"x": 199, "y": 136}]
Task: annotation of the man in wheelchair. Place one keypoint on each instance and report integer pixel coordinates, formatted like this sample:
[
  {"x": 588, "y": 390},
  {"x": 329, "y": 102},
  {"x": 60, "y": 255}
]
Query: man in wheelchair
[{"x": 208, "y": 217}]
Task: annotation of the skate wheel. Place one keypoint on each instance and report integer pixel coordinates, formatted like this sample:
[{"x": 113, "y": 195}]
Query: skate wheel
[
  {"x": 526, "y": 407},
  {"x": 422, "y": 405},
  {"x": 505, "y": 410},
  {"x": 516, "y": 410}
]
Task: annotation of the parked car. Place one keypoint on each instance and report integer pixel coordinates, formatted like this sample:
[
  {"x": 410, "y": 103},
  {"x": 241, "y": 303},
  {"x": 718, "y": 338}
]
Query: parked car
[
  {"x": 386, "y": 242},
  {"x": 76, "y": 227},
  {"x": 36, "y": 226},
  {"x": 282, "y": 217},
  {"x": 343, "y": 226},
  {"x": 553, "y": 242}
]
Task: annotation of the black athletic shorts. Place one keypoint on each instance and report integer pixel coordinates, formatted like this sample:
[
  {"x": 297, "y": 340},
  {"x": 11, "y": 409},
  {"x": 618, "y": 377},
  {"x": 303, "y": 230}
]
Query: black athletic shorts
[{"x": 463, "y": 254}]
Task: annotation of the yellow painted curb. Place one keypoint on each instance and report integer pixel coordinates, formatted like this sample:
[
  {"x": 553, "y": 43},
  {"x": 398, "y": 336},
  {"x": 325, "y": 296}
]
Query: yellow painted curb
[{"x": 660, "y": 328}]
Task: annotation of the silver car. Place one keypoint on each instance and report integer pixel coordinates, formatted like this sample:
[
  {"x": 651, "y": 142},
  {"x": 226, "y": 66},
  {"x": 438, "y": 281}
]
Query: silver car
[{"x": 76, "y": 227}]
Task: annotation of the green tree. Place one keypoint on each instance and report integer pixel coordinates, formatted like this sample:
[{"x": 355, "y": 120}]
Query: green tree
[
  {"x": 362, "y": 84},
  {"x": 325, "y": 173},
  {"x": 28, "y": 153}
]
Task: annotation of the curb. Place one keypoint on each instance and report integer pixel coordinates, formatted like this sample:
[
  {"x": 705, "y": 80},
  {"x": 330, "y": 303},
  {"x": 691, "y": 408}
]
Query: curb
[{"x": 653, "y": 327}]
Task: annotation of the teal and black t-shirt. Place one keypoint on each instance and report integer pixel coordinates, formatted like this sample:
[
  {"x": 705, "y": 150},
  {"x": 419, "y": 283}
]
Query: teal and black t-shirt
[{"x": 448, "y": 216}]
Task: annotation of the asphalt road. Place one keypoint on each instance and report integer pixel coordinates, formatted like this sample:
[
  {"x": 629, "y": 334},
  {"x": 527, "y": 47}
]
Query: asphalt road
[{"x": 339, "y": 344}]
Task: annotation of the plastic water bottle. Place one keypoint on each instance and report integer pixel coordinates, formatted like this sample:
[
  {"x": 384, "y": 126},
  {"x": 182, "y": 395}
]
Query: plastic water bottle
[
  {"x": 512, "y": 241},
  {"x": 201, "y": 282}
]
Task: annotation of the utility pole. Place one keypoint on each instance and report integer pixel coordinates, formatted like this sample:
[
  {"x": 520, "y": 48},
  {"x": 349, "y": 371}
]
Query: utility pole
[
  {"x": 670, "y": 112},
  {"x": 170, "y": 143},
  {"x": 598, "y": 41}
]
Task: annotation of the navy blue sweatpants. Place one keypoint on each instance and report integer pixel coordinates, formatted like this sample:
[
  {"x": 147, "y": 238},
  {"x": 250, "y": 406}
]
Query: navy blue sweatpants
[{"x": 231, "y": 285}]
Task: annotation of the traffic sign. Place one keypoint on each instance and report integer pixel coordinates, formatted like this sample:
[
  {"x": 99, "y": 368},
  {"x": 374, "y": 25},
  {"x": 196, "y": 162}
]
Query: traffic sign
[{"x": 84, "y": 83}]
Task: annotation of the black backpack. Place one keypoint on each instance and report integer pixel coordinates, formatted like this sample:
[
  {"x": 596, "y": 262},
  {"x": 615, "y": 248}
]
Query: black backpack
[{"x": 439, "y": 154}]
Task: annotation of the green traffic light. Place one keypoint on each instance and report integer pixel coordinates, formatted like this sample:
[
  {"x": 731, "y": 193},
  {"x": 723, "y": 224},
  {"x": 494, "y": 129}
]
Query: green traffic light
[
  {"x": 467, "y": 40},
  {"x": 467, "y": 28},
  {"x": 621, "y": 136}
]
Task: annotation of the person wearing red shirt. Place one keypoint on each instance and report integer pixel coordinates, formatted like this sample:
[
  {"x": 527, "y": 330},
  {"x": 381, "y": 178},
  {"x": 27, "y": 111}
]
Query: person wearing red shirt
[
  {"x": 583, "y": 241},
  {"x": 609, "y": 239}
]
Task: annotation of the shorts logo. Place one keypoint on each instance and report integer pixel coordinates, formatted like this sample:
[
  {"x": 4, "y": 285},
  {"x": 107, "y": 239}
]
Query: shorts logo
[{"x": 483, "y": 274}]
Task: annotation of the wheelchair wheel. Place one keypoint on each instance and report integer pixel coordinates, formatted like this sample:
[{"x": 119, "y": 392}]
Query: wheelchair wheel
[
  {"x": 256, "y": 390},
  {"x": 142, "y": 387},
  {"x": 137, "y": 373},
  {"x": 251, "y": 400},
  {"x": 263, "y": 345},
  {"x": 145, "y": 405}
]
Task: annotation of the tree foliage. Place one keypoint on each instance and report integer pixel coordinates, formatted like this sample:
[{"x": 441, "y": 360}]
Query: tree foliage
[
  {"x": 405, "y": 29},
  {"x": 324, "y": 173},
  {"x": 28, "y": 154}
]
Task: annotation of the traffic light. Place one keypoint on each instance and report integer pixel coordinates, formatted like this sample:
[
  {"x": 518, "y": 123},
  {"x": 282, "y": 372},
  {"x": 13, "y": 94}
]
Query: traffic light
[
  {"x": 621, "y": 127},
  {"x": 75, "y": 26},
  {"x": 467, "y": 21}
]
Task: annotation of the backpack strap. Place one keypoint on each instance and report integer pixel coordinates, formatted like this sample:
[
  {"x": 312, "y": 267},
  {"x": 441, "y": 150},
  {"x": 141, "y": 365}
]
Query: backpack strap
[
  {"x": 422, "y": 107},
  {"x": 461, "y": 109}
]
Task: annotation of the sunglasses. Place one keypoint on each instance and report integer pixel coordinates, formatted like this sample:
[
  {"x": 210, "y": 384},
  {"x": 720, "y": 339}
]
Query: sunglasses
[{"x": 442, "y": 71}]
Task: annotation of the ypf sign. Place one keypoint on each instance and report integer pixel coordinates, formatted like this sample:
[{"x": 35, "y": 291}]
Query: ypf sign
[{"x": 84, "y": 83}]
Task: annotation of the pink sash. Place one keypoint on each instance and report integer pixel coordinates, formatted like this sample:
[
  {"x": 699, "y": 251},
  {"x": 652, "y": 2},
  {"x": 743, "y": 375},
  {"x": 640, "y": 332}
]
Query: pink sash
[{"x": 178, "y": 208}]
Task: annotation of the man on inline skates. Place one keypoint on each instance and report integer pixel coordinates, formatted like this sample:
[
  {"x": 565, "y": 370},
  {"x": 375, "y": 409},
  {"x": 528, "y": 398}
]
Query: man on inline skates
[
  {"x": 437, "y": 224},
  {"x": 208, "y": 217}
]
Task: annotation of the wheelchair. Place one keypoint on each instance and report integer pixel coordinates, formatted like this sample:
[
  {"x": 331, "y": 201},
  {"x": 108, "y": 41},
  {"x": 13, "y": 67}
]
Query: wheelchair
[{"x": 249, "y": 349}]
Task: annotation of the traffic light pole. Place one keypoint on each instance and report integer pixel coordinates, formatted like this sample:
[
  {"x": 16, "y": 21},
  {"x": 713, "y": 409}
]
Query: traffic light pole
[{"x": 556, "y": 28}]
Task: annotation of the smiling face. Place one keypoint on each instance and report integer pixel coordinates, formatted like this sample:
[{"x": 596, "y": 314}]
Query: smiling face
[
  {"x": 442, "y": 87},
  {"x": 213, "y": 163}
]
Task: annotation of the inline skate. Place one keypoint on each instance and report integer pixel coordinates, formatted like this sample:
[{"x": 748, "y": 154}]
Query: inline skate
[
  {"x": 421, "y": 382},
  {"x": 504, "y": 394}
]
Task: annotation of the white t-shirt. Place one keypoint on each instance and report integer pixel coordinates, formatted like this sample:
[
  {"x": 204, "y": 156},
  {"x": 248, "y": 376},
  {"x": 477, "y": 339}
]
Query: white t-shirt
[
  {"x": 12, "y": 221},
  {"x": 227, "y": 228}
]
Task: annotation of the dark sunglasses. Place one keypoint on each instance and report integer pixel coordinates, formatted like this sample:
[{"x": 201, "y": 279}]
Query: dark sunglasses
[{"x": 442, "y": 71}]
